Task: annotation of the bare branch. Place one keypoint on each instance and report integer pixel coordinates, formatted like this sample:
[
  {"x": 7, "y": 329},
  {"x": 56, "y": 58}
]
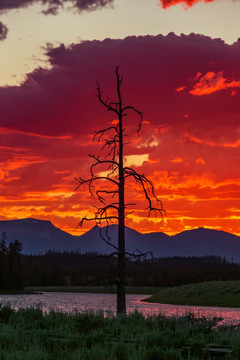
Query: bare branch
[
  {"x": 129, "y": 204},
  {"x": 105, "y": 103},
  {"x": 136, "y": 111},
  {"x": 107, "y": 192},
  {"x": 96, "y": 219},
  {"x": 107, "y": 241},
  {"x": 137, "y": 254},
  {"x": 128, "y": 213},
  {"x": 148, "y": 189},
  {"x": 111, "y": 163},
  {"x": 99, "y": 134},
  {"x": 94, "y": 178},
  {"x": 112, "y": 144}
]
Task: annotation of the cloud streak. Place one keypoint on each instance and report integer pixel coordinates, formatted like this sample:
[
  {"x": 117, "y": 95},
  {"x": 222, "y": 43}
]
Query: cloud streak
[{"x": 54, "y": 5}]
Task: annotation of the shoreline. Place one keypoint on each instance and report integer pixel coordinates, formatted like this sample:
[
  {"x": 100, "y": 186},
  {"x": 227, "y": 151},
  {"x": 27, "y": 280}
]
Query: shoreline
[
  {"x": 93, "y": 289},
  {"x": 209, "y": 294}
]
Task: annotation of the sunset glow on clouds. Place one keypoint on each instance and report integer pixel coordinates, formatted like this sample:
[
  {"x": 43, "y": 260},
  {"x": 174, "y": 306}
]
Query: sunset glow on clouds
[
  {"x": 212, "y": 82},
  {"x": 188, "y": 3},
  {"x": 188, "y": 146}
]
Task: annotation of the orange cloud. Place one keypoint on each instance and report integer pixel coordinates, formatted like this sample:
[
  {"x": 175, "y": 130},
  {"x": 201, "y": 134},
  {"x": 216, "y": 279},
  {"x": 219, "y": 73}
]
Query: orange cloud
[
  {"x": 212, "y": 82},
  {"x": 200, "y": 161},
  {"x": 180, "y": 88},
  {"x": 177, "y": 160},
  {"x": 223, "y": 144}
]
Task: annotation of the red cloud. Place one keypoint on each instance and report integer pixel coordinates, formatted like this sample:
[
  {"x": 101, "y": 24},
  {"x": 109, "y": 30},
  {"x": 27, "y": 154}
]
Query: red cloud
[
  {"x": 47, "y": 125},
  {"x": 168, "y": 3},
  {"x": 212, "y": 82}
]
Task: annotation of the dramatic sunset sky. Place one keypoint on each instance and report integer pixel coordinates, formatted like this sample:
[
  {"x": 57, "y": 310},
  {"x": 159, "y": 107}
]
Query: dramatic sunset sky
[{"x": 180, "y": 62}]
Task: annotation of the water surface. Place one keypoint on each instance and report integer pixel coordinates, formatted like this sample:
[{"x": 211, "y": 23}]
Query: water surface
[{"x": 71, "y": 302}]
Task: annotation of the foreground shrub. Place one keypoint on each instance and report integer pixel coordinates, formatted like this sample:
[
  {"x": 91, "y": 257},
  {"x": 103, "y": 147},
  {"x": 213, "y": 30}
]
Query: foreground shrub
[
  {"x": 5, "y": 313},
  {"x": 29, "y": 334}
]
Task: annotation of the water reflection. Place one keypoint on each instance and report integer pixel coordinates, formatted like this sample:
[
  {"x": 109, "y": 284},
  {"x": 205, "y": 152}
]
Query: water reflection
[{"x": 69, "y": 302}]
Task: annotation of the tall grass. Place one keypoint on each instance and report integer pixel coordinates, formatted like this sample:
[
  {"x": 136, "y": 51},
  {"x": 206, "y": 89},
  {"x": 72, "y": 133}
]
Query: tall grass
[{"x": 28, "y": 334}]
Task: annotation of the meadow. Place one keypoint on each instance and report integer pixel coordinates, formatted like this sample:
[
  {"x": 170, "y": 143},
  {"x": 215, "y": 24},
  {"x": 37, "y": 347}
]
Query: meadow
[
  {"x": 30, "y": 334},
  {"x": 210, "y": 293}
]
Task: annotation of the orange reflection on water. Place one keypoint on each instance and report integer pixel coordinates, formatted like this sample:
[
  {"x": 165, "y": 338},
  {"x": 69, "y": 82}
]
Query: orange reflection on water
[
  {"x": 230, "y": 316},
  {"x": 82, "y": 302}
]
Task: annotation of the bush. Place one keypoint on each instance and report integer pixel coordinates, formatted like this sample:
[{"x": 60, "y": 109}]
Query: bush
[
  {"x": 155, "y": 353},
  {"x": 5, "y": 313},
  {"x": 120, "y": 351}
]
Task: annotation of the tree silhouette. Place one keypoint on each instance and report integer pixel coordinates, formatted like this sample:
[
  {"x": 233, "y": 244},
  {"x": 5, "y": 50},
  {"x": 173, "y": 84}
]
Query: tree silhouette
[
  {"x": 108, "y": 187},
  {"x": 3, "y": 265},
  {"x": 11, "y": 271},
  {"x": 15, "y": 275}
]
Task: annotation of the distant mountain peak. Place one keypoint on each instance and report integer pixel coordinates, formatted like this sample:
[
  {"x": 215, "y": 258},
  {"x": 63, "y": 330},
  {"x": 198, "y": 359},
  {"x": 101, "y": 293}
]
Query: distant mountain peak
[
  {"x": 39, "y": 236},
  {"x": 202, "y": 229},
  {"x": 34, "y": 220},
  {"x": 30, "y": 221}
]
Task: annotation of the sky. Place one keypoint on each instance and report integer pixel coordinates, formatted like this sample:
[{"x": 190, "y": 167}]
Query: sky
[{"x": 180, "y": 66}]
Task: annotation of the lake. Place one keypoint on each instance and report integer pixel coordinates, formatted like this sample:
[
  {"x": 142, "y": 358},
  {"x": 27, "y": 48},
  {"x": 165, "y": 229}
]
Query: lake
[{"x": 72, "y": 302}]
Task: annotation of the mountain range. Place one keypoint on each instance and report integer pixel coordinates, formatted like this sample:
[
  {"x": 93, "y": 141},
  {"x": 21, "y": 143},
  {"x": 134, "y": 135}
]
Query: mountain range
[{"x": 38, "y": 236}]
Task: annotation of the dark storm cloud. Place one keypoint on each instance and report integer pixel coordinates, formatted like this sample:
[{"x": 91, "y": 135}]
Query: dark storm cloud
[
  {"x": 54, "y": 5},
  {"x": 3, "y": 31},
  {"x": 91, "y": 4},
  {"x": 6, "y": 5}
]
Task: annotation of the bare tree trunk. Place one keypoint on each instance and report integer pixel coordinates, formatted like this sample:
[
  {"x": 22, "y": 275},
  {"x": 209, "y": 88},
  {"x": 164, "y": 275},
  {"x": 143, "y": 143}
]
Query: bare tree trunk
[
  {"x": 121, "y": 298},
  {"x": 112, "y": 138}
]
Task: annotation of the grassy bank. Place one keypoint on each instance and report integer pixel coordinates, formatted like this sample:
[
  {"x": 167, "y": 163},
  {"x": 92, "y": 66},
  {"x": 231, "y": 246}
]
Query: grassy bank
[
  {"x": 28, "y": 334},
  {"x": 94, "y": 289},
  {"x": 212, "y": 293}
]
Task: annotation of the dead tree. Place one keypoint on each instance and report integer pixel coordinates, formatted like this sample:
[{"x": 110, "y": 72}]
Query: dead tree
[{"x": 111, "y": 193}]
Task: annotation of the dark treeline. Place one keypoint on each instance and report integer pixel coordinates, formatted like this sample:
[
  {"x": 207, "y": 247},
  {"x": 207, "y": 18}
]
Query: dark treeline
[
  {"x": 74, "y": 268},
  {"x": 177, "y": 270},
  {"x": 11, "y": 271}
]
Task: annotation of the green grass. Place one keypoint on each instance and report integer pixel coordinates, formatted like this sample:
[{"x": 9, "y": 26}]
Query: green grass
[
  {"x": 212, "y": 293},
  {"x": 28, "y": 334},
  {"x": 94, "y": 289}
]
